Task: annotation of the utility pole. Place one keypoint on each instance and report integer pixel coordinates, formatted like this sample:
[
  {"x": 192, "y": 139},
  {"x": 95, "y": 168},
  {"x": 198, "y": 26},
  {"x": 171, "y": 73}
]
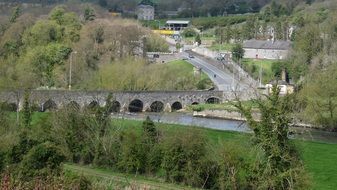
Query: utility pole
[{"x": 70, "y": 68}]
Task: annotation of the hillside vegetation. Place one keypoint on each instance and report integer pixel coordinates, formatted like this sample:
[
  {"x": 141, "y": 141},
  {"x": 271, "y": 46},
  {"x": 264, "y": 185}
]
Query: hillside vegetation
[{"x": 105, "y": 53}]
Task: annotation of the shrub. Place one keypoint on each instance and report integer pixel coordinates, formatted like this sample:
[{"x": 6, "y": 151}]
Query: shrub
[
  {"x": 42, "y": 160},
  {"x": 17, "y": 152},
  {"x": 189, "y": 32},
  {"x": 182, "y": 153},
  {"x": 132, "y": 157}
]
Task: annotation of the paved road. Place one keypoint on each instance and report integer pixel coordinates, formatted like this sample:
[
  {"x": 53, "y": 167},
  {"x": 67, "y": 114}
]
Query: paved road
[{"x": 223, "y": 80}]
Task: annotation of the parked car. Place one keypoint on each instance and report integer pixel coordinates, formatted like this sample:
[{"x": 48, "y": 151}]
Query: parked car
[{"x": 190, "y": 56}]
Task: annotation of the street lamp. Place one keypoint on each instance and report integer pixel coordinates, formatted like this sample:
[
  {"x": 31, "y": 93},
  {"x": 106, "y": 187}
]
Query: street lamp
[{"x": 70, "y": 68}]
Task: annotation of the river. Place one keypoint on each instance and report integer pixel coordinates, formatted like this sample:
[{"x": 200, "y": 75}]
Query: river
[{"x": 226, "y": 125}]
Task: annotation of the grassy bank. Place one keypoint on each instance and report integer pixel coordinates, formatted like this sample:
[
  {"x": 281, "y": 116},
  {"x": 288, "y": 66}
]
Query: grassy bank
[
  {"x": 184, "y": 68},
  {"x": 253, "y": 66},
  {"x": 222, "y": 47}
]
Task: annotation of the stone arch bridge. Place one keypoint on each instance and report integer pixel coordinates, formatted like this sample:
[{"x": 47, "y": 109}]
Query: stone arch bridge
[{"x": 128, "y": 101}]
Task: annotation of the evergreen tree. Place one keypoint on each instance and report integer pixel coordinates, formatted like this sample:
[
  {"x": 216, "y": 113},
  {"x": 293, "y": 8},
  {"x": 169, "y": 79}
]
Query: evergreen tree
[
  {"x": 15, "y": 14},
  {"x": 150, "y": 130},
  {"x": 27, "y": 111},
  {"x": 280, "y": 167},
  {"x": 198, "y": 39}
]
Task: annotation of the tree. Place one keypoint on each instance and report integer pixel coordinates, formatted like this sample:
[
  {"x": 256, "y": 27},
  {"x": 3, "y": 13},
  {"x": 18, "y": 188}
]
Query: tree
[
  {"x": 150, "y": 130},
  {"x": 320, "y": 96},
  {"x": 280, "y": 167},
  {"x": 198, "y": 39},
  {"x": 89, "y": 14},
  {"x": 15, "y": 14},
  {"x": 27, "y": 111},
  {"x": 238, "y": 52}
]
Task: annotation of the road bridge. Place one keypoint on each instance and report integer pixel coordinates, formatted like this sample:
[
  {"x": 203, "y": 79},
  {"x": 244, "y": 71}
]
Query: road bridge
[{"x": 127, "y": 101}]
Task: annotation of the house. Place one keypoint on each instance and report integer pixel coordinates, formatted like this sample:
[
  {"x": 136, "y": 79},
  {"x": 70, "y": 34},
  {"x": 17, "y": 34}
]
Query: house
[
  {"x": 264, "y": 49},
  {"x": 145, "y": 11}
]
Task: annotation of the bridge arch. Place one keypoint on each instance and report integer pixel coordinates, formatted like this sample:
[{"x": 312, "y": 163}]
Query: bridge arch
[
  {"x": 73, "y": 105},
  {"x": 136, "y": 106},
  {"x": 115, "y": 107},
  {"x": 49, "y": 105},
  {"x": 176, "y": 106},
  {"x": 195, "y": 103},
  {"x": 157, "y": 106},
  {"x": 11, "y": 107},
  {"x": 213, "y": 100},
  {"x": 92, "y": 106}
]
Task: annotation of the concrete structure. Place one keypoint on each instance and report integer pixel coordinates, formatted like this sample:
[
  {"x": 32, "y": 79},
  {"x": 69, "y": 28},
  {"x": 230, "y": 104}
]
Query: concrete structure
[
  {"x": 259, "y": 49},
  {"x": 285, "y": 88},
  {"x": 145, "y": 12},
  {"x": 138, "y": 101},
  {"x": 177, "y": 25}
]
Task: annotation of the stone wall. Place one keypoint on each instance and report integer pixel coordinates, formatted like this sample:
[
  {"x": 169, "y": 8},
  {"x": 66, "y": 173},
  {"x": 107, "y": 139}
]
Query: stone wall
[{"x": 62, "y": 98}]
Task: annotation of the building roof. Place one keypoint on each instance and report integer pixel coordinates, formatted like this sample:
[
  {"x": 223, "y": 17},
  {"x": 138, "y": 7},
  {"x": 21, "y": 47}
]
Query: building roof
[
  {"x": 262, "y": 44},
  {"x": 177, "y": 22},
  {"x": 145, "y": 7}
]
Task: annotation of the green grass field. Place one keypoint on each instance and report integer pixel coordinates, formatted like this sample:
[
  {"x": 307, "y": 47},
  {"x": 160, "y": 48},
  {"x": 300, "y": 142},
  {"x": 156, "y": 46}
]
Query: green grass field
[
  {"x": 253, "y": 66},
  {"x": 222, "y": 47},
  {"x": 185, "y": 67}
]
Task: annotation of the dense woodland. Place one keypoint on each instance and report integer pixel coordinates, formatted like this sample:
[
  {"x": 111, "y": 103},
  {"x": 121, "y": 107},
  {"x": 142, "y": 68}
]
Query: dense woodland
[{"x": 37, "y": 52}]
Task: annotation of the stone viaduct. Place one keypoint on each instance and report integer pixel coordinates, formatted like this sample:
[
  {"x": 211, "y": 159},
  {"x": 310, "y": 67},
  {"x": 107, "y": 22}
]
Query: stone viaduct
[{"x": 128, "y": 101}]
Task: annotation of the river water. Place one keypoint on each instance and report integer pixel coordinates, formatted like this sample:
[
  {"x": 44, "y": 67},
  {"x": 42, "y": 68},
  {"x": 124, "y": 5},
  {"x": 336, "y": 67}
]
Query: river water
[{"x": 226, "y": 125}]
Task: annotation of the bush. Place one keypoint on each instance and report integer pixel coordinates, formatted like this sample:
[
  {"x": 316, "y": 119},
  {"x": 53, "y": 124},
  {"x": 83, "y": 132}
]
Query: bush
[
  {"x": 10, "y": 107},
  {"x": 198, "y": 108},
  {"x": 42, "y": 160},
  {"x": 2, "y": 160},
  {"x": 132, "y": 157},
  {"x": 189, "y": 32},
  {"x": 182, "y": 153},
  {"x": 77, "y": 182},
  {"x": 17, "y": 152}
]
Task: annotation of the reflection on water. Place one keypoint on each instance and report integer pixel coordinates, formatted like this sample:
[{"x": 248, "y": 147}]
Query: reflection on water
[{"x": 225, "y": 125}]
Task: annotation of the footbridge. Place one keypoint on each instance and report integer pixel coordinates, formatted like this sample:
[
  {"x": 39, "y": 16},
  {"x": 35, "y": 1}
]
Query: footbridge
[{"x": 125, "y": 101}]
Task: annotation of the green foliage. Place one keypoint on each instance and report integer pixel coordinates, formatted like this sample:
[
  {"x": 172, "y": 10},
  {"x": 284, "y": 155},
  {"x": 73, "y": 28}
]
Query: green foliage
[
  {"x": 57, "y": 14},
  {"x": 150, "y": 131},
  {"x": 211, "y": 22},
  {"x": 132, "y": 157},
  {"x": 280, "y": 167},
  {"x": 15, "y": 14},
  {"x": 42, "y": 33},
  {"x": 45, "y": 58},
  {"x": 319, "y": 94},
  {"x": 27, "y": 111},
  {"x": 89, "y": 14},
  {"x": 18, "y": 151},
  {"x": 42, "y": 160},
  {"x": 238, "y": 52},
  {"x": 309, "y": 41},
  {"x": 2, "y": 161},
  {"x": 155, "y": 43},
  {"x": 189, "y": 32},
  {"x": 198, "y": 39},
  {"x": 182, "y": 153}
]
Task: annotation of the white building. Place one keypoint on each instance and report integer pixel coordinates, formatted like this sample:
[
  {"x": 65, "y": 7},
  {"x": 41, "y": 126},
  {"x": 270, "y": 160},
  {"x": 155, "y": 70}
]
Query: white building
[
  {"x": 177, "y": 25},
  {"x": 261, "y": 49},
  {"x": 145, "y": 12}
]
